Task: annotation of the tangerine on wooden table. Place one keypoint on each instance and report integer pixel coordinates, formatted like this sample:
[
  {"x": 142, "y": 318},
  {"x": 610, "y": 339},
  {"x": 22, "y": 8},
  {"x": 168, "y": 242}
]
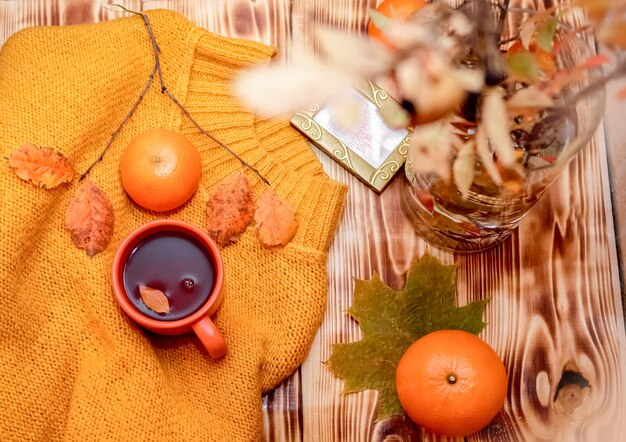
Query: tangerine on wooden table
[
  {"x": 395, "y": 9},
  {"x": 451, "y": 382},
  {"x": 160, "y": 169}
]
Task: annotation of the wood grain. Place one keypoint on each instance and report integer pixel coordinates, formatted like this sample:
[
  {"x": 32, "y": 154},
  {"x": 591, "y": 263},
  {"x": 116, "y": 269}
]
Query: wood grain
[{"x": 554, "y": 285}]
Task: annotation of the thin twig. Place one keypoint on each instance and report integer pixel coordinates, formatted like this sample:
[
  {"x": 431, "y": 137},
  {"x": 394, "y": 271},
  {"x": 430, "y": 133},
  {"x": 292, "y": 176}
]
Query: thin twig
[
  {"x": 166, "y": 91},
  {"x": 155, "y": 49},
  {"x": 157, "y": 70},
  {"x": 508, "y": 40},
  {"x": 119, "y": 128},
  {"x": 598, "y": 84},
  {"x": 204, "y": 132},
  {"x": 503, "y": 12}
]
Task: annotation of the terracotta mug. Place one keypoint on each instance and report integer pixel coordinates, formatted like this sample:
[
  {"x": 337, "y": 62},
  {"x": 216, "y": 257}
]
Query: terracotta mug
[{"x": 199, "y": 321}]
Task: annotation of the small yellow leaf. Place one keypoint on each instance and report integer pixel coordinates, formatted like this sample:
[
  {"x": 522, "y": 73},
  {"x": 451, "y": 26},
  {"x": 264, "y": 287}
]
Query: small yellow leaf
[
  {"x": 276, "y": 220},
  {"x": 43, "y": 166},
  {"x": 154, "y": 299}
]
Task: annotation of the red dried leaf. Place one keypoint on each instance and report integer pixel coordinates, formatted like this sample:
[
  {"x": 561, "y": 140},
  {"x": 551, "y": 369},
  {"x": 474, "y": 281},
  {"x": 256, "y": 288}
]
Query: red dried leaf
[
  {"x": 230, "y": 209},
  {"x": 426, "y": 199},
  {"x": 595, "y": 61},
  {"x": 89, "y": 217},
  {"x": 43, "y": 166},
  {"x": 154, "y": 299},
  {"x": 276, "y": 220}
]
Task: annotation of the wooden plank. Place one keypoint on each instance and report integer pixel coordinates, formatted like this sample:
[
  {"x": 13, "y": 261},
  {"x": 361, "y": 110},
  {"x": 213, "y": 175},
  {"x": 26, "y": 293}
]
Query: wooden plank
[
  {"x": 10, "y": 18},
  {"x": 614, "y": 117},
  {"x": 535, "y": 314}
]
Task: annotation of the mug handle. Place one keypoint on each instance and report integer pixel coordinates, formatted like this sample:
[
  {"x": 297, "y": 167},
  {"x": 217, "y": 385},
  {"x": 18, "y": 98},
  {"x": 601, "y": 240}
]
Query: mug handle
[{"x": 210, "y": 337}]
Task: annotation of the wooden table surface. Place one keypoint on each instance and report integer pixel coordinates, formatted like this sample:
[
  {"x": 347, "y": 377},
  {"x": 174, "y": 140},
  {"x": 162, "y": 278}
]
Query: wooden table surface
[{"x": 554, "y": 285}]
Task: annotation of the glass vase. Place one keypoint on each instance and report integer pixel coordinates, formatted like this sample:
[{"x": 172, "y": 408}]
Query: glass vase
[{"x": 489, "y": 213}]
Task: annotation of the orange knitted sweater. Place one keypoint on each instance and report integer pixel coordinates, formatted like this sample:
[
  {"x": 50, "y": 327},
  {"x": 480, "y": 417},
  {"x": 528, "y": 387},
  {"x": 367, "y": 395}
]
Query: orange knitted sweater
[{"x": 72, "y": 366}]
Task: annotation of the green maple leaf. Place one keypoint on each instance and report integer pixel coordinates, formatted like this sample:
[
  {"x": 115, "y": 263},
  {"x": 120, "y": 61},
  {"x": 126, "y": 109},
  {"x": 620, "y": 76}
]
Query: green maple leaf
[
  {"x": 524, "y": 65},
  {"x": 391, "y": 321},
  {"x": 546, "y": 33}
]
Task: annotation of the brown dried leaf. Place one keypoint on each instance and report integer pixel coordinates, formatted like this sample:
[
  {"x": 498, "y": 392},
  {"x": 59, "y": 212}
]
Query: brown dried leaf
[
  {"x": 565, "y": 77},
  {"x": 89, "y": 217},
  {"x": 527, "y": 31},
  {"x": 154, "y": 299},
  {"x": 429, "y": 147},
  {"x": 530, "y": 26},
  {"x": 463, "y": 169},
  {"x": 276, "y": 220},
  {"x": 43, "y": 166},
  {"x": 486, "y": 155},
  {"x": 496, "y": 122},
  {"x": 528, "y": 102},
  {"x": 230, "y": 209}
]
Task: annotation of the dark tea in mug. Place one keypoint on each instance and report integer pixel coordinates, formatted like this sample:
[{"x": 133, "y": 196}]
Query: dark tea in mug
[{"x": 175, "y": 263}]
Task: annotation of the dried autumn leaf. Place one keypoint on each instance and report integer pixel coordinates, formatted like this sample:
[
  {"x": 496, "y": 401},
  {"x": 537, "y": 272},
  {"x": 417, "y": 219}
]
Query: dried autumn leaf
[
  {"x": 533, "y": 23},
  {"x": 43, "y": 166},
  {"x": 527, "y": 31},
  {"x": 154, "y": 299},
  {"x": 495, "y": 120},
  {"x": 428, "y": 81},
  {"x": 486, "y": 155},
  {"x": 230, "y": 209},
  {"x": 528, "y": 102},
  {"x": 429, "y": 147},
  {"x": 275, "y": 219},
  {"x": 463, "y": 169},
  {"x": 89, "y": 217},
  {"x": 594, "y": 61},
  {"x": 545, "y": 34},
  {"x": 566, "y": 77},
  {"x": 523, "y": 66}
]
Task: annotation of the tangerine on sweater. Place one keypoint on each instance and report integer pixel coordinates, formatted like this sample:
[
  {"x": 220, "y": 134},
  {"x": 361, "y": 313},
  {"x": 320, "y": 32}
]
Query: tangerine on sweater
[{"x": 72, "y": 366}]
